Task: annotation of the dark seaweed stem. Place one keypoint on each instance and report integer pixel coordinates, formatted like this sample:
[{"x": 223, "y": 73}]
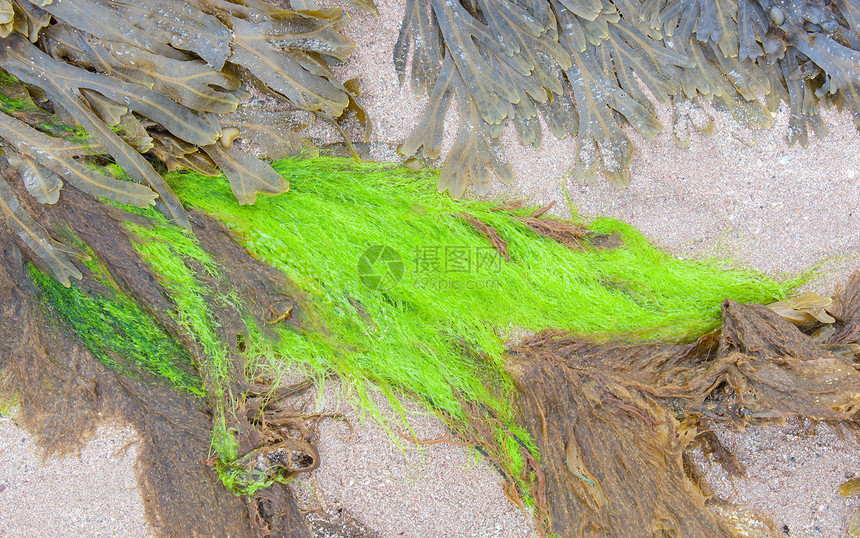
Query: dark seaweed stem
[{"x": 581, "y": 65}]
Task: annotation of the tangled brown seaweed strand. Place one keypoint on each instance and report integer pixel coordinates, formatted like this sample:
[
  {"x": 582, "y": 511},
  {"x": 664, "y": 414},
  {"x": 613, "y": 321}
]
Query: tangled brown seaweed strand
[
  {"x": 564, "y": 232},
  {"x": 271, "y": 514},
  {"x": 281, "y": 436},
  {"x": 163, "y": 78},
  {"x": 489, "y": 233},
  {"x": 583, "y": 67}
]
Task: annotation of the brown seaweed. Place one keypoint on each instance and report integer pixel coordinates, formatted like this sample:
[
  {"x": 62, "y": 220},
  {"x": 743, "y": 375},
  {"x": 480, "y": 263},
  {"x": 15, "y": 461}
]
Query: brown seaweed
[
  {"x": 846, "y": 311},
  {"x": 63, "y": 410},
  {"x": 154, "y": 78},
  {"x": 248, "y": 175},
  {"x": 503, "y": 62},
  {"x": 65, "y": 392},
  {"x": 613, "y": 421},
  {"x": 19, "y": 221},
  {"x": 489, "y": 233},
  {"x": 62, "y": 83},
  {"x": 59, "y": 158},
  {"x": 566, "y": 233}
]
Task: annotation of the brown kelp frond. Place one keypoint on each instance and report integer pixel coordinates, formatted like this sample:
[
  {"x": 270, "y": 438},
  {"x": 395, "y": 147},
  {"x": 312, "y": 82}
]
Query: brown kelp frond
[
  {"x": 490, "y": 77},
  {"x": 176, "y": 154},
  {"x": 597, "y": 409},
  {"x": 805, "y": 310},
  {"x": 846, "y": 310},
  {"x": 20, "y": 223},
  {"x": 248, "y": 175},
  {"x": 62, "y": 84},
  {"x": 278, "y": 134},
  {"x": 258, "y": 46},
  {"x": 162, "y": 78},
  {"x": 57, "y": 159},
  {"x": 584, "y": 68}
]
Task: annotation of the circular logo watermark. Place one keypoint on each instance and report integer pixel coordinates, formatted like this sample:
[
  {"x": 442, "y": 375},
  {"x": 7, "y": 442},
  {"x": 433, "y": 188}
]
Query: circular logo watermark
[{"x": 380, "y": 267}]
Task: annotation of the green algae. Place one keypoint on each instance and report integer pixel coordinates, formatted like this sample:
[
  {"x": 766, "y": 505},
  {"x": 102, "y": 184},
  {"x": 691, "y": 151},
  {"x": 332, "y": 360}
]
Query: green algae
[
  {"x": 317, "y": 232},
  {"x": 120, "y": 334},
  {"x": 168, "y": 249},
  {"x": 405, "y": 295},
  {"x": 436, "y": 321}
]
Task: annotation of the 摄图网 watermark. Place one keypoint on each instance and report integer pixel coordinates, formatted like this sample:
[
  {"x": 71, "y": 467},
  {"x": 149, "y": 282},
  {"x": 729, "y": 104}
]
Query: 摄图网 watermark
[{"x": 438, "y": 267}]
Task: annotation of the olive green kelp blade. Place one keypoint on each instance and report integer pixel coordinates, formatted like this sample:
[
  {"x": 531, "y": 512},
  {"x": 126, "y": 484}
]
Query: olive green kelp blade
[
  {"x": 58, "y": 156},
  {"x": 19, "y": 221},
  {"x": 62, "y": 84}
]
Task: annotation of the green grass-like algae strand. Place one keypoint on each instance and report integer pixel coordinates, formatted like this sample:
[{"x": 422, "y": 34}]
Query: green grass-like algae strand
[
  {"x": 335, "y": 210},
  {"x": 119, "y": 333},
  {"x": 168, "y": 249}
]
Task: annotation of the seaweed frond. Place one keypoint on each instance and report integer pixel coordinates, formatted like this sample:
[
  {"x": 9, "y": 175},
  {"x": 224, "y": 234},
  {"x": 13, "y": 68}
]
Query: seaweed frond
[
  {"x": 584, "y": 66},
  {"x": 161, "y": 81}
]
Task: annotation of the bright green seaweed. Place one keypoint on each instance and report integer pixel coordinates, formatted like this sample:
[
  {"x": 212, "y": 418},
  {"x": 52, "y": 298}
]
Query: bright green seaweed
[
  {"x": 436, "y": 326},
  {"x": 120, "y": 333},
  {"x": 411, "y": 336}
]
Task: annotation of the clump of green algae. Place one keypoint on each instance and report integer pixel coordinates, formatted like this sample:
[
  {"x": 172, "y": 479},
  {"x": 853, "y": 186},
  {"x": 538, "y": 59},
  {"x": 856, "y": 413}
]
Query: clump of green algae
[
  {"x": 438, "y": 330},
  {"x": 167, "y": 249},
  {"x": 411, "y": 336},
  {"x": 118, "y": 332}
]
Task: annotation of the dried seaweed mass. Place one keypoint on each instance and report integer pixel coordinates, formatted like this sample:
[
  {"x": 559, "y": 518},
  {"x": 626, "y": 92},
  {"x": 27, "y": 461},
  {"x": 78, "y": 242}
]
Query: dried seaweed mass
[
  {"x": 161, "y": 79},
  {"x": 584, "y": 66}
]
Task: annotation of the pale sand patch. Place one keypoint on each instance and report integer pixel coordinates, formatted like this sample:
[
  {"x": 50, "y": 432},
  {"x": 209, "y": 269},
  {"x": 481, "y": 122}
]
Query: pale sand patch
[
  {"x": 407, "y": 490},
  {"x": 763, "y": 204},
  {"x": 94, "y": 493},
  {"x": 793, "y": 472}
]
